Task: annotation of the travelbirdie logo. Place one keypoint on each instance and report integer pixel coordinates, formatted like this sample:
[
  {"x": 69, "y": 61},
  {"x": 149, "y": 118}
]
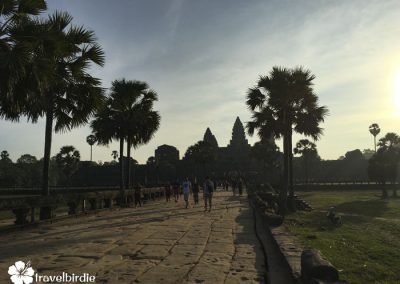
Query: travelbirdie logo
[{"x": 21, "y": 273}]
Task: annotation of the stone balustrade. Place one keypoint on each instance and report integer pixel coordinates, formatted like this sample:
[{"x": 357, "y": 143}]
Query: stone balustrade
[{"x": 76, "y": 202}]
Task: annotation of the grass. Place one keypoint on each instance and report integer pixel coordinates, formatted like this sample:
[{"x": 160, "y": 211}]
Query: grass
[{"x": 366, "y": 247}]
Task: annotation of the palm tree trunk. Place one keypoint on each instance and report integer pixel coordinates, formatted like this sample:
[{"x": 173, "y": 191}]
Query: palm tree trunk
[
  {"x": 47, "y": 149},
  {"x": 46, "y": 211},
  {"x": 128, "y": 166},
  {"x": 375, "y": 142},
  {"x": 121, "y": 162},
  {"x": 290, "y": 156},
  {"x": 284, "y": 189},
  {"x": 91, "y": 152}
]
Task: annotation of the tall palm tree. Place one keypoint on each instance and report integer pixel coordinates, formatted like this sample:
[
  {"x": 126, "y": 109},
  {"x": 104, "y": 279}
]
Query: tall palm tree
[
  {"x": 18, "y": 38},
  {"x": 55, "y": 84},
  {"x": 127, "y": 115},
  {"x": 307, "y": 149},
  {"x": 282, "y": 103},
  {"x": 143, "y": 121},
  {"x": 91, "y": 139},
  {"x": 374, "y": 130}
]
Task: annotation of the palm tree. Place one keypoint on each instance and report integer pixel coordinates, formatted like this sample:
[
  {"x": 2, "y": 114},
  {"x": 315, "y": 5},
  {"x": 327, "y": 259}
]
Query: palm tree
[
  {"x": 56, "y": 85},
  {"x": 308, "y": 150},
  {"x": 127, "y": 115},
  {"x": 68, "y": 160},
  {"x": 91, "y": 139},
  {"x": 142, "y": 120},
  {"x": 388, "y": 142},
  {"x": 282, "y": 103},
  {"x": 374, "y": 130},
  {"x": 114, "y": 154},
  {"x": 18, "y": 38}
]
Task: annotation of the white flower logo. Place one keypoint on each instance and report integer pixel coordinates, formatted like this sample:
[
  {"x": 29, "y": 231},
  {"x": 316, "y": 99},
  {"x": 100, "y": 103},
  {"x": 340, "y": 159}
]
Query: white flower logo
[{"x": 21, "y": 273}]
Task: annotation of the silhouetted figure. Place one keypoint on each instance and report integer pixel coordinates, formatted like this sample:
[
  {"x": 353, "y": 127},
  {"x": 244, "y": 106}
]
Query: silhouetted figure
[
  {"x": 168, "y": 192},
  {"x": 186, "y": 186},
  {"x": 208, "y": 191},
  {"x": 240, "y": 186},
  {"x": 138, "y": 195},
  {"x": 195, "y": 190},
  {"x": 176, "y": 191},
  {"x": 234, "y": 187}
]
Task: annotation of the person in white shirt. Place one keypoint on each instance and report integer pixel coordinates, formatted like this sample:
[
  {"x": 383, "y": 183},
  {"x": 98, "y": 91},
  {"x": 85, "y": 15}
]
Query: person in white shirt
[{"x": 186, "y": 186}]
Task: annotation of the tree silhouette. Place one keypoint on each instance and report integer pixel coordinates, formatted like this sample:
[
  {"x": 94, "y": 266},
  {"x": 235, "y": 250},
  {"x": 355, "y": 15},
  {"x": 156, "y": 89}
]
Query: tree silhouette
[
  {"x": 282, "y": 103},
  {"x": 374, "y": 130},
  {"x": 68, "y": 160},
  {"x": 27, "y": 159},
  {"x": 114, "y": 154},
  {"x": 127, "y": 115},
  {"x": 202, "y": 153},
  {"x": 307, "y": 150},
  {"x": 54, "y": 82},
  {"x": 91, "y": 139},
  {"x": 5, "y": 157}
]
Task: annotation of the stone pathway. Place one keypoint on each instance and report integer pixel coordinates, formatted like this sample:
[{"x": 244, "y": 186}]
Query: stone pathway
[{"x": 157, "y": 243}]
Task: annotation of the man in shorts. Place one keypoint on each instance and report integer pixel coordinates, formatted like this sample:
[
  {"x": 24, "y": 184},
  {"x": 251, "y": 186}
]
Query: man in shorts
[
  {"x": 208, "y": 190},
  {"x": 186, "y": 186}
]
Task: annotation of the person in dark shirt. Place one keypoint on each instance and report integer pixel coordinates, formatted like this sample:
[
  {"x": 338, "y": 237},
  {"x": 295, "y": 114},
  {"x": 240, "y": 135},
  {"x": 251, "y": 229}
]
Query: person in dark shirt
[
  {"x": 138, "y": 195},
  {"x": 195, "y": 190},
  {"x": 168, "y": 191},
  {"x": 176, "y": 188}
]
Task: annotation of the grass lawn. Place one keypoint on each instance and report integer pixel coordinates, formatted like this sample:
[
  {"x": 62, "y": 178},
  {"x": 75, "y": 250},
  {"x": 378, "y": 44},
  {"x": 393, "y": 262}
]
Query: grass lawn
[{"x": 366, "y": 247}]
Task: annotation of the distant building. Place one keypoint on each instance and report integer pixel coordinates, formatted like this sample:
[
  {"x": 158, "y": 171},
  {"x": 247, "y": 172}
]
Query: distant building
[
  {"x": 237, "y": 155},
  {"x": 166, "y": 153}
]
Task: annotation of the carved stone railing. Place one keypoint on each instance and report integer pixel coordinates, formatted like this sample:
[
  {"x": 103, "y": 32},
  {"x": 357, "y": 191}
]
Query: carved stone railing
[{"x": 76, "y": 202}]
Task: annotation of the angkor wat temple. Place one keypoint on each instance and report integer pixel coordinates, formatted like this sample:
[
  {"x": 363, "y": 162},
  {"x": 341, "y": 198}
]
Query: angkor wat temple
[{"x": 231, "y": 160}]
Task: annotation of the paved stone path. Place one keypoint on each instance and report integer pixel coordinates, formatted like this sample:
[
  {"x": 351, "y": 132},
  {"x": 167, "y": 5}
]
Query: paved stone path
[{"x": 157, "y": 243}]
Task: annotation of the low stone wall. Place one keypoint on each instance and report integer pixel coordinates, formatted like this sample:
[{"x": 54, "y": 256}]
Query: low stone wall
[
  {"x": 307, "y": 266},
  {"x": 77, "y": 203}
]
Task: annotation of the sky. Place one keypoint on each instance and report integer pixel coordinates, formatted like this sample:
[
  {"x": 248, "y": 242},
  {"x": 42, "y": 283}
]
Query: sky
[{"x": 202, "y": 56}]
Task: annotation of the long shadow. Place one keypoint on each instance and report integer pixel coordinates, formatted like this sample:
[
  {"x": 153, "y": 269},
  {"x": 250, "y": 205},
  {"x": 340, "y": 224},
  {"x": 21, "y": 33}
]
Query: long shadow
[{"x": 247, "y": 236}]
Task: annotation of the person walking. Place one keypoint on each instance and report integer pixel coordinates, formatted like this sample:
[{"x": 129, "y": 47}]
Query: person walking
[
  {"x": 168, "y": 191},
  {"x": 138, "y": 195},
  {"x": 195, "y": 190},
  {"x": 176, "y": 191},
  {"x": 234, "y": 187},
  {"x": 240, "y": 186},
  {"x": 208, "y": 191},
  {"x": 186, "y": 186}
]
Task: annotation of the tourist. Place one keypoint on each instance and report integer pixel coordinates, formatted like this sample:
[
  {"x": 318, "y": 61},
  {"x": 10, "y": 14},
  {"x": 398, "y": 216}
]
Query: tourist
[
  {"x": 186, "y": 186},
  {"x": 138, "y": 195},
  {"x": 195, "y": 190},
  {"x": 240, "y": 186},
  {"x": 208, "y": 190},
  {"x": 234, "y": 187},
  {"x": 168, "y": 192},
  {"x": 176, "y": 190}
]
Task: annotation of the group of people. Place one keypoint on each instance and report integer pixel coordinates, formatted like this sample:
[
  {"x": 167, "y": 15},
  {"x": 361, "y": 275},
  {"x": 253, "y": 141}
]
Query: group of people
[
  {"x": 176, "y": 190},
  {"x": 187, "y": 187}
]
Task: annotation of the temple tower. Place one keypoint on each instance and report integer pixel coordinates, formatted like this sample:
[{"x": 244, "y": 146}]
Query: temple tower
[
  {"x": 238, "y": 136},
  {"x": 210, "y": 138}
]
